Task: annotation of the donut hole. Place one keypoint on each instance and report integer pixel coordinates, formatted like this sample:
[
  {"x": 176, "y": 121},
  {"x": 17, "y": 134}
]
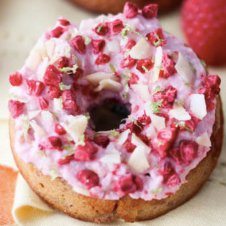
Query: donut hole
[{"x": 108, "y": 115}]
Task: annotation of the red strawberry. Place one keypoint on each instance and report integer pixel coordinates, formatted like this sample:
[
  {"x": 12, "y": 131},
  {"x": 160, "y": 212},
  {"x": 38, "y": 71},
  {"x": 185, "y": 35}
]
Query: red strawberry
[{"x": 204, "y": 25}]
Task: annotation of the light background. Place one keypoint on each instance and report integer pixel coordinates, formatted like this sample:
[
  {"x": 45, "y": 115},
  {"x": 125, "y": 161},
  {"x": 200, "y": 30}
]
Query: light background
[{"x": 23, "y": 21}]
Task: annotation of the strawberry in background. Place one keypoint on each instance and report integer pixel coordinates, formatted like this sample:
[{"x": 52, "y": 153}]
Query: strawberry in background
[{"x": 204, "y": 25}]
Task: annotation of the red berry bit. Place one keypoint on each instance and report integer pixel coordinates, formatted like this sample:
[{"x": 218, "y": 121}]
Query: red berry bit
[
  {"x": 69, "y": 103},
  {"x": 170, "y": 176},
  {"x": 53, "y": 92},
  {"x": 16, "y": 79},
  {"x": 130, "y": 10},
  {"x": 130, "y": 44},
  {"x": 88, "y": 177},
  {"x": 101, "y": 29},
  {"x": 168, "y": 67},
  {"x": 64, "y": 22},
  {"x": 35, "y": 88},
  {"x": 128, "y": 145},
  {"x": 116, "y": 26},
  {"x": 78, "y": 42},
  {"x": 164, "y": 141},
  {"x": 101, "y": 140},
  {"x": 55, "y": 142},
  {"x": 128, "y": 62},
  {"x": 167, "y": 96},
  {"x": 98, "y": 45},
  {"x": 85, "y": 152},
  {"x": 133, "y": 79},
  {"x": 133, "y": 127},
  {"x": 62, "y": 62},
  {"x": 150, "y": 11},
  {"x": 16, "y": 108},
  {"x": 211, "y": 88},
  {"x": 190, "y": 125},
  {"x": 130, "y": 184},
  {"x": 52, "y": 76},
  {"x": 157, "y": 38},
  {"x": 102, "y": 59},
  {"x": 144, "y": 120},
  {"x": 43, "y": 103},
  {"x": 56, "y": 32},
  {"x": 188, "y": 151},
  {"x": 65, "y": 160},
  {"x": 144, "y": 65},
  {"x": 59, "y": 129}
]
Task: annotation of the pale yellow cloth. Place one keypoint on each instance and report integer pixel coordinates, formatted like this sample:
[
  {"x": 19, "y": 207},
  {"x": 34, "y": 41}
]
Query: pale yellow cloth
[{"x": 206, "y": 208}]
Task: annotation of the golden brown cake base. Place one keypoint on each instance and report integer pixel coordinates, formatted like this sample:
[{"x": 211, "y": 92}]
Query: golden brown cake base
[
  {"x": 115, "y": 6},
  {"x": 58, "y": 194}
]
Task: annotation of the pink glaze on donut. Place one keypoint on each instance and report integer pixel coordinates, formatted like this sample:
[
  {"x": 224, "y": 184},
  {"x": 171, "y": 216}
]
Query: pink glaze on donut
[{"x": 126, "y": 57}]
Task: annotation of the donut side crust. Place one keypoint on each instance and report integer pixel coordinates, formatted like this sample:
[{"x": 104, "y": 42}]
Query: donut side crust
[{"x": 59, "y": 195}]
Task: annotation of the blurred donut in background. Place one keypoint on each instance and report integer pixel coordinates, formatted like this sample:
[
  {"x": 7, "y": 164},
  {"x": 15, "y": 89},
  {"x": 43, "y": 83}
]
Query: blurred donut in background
[{"x": 115, "y": 6}]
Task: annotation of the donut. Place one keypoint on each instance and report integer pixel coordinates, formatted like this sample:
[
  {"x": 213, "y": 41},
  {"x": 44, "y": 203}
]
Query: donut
[
  {"x": 116, "y": 6},
  {"x": 114, "y": 118}
]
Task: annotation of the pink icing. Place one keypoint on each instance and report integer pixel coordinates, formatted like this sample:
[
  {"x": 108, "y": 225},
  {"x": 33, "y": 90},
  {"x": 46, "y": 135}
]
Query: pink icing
[{"x": 101, "y": 164}]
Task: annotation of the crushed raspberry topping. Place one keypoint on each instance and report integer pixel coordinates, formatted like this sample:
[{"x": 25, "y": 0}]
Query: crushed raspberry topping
[
  {"x": 16, "y": 108},
  {"x": 167, "y": 96},
  {"x": 101, "y": 29},
  {"x": 52, "y": 76},
  {"x": 85, "y": 152},
  {"x": 57, "y": 32},
  {"x": 123, "y": 72},
  {"x": 78, "y": 42},
  {"x": 98, "y": 45},
  {"x": 150, "y": 11},
  {"x": 102, "y": 59},
  {"x": 130, "y": 10},
  {"x": 35, "y": 87},
  {"x": 130, "y": 183},
  {"x": 88, "y": 178},
  {"x": 16, "y": 79},
  {"x": 157, "y": 38}
]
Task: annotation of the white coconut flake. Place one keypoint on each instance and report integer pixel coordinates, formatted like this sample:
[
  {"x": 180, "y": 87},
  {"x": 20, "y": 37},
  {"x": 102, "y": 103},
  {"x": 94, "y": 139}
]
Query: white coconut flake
[
  {"x": 76, "y": 126},
  {"x": 57, "y": 104},
  {"x": 139, "y": 143},
  {"x": 158, "y": 122},
  {"x": 198, "y": 105},
  {"x": 123, "y": 137},
  {"x": 109, "y": 84},
  {"x": 179, "y": 113},
  {"x": 142, "y": 50},
  {"x": 39, "y": 132},
  {"x": 184, "y": 69},
  {"x": 33, "y": 60},
  {"x": 204, "y": 140},
  {"x": 142, "y": 91},
  {"x": 97, "y": 77},
  {"x": 138, "y": 161},
  {"x": 157, "y": 64}
]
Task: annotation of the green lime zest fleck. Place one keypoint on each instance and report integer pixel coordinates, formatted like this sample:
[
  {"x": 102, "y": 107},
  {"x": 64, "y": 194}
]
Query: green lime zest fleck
[
  {"x": 72, "y": 69},
  {"x": 64, "y": 87},
  {"x": 155, "y": 106}
]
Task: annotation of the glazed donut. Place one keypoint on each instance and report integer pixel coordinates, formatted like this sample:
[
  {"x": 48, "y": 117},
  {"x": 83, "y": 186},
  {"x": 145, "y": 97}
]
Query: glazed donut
[
  {"x": 116, "y": 6},
  {"x": 114, "y": 118}
]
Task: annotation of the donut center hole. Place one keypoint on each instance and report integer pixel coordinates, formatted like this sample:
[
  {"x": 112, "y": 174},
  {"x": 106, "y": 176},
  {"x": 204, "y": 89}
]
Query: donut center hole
[{"x": 108, "y": 115}]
